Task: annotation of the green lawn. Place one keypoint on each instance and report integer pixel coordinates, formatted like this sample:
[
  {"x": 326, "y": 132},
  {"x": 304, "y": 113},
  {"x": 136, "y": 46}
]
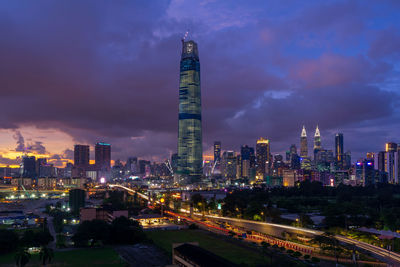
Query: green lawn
[
  {"x": 237, "y": 253},
  {"x": 79, "y": 257}
]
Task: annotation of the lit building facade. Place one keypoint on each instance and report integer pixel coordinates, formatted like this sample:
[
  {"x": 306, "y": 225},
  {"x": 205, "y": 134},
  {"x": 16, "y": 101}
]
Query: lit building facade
[
  {"x": 317, "y": 142},
  {"x": 303, "y": 143},
  {"x": 339, "y": 154},
  {"x": 190, "y": 151},
  {"x": 392, "y": 162},
  {"x": 263, "y": 157},
  {"x": 217, "y": 155}
]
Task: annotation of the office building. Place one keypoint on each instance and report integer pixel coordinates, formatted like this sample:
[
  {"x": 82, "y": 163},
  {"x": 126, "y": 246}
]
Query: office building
[
  {"x": 190, "y": 151},
  {"x": 263, "y": 158},
  {"x": 81, "y": 156},
  {"x": 247, "y": 161},
  {"x": 102, "y": 154},
  {"x": 28, "y": 167},
  {"x": 228, "y": 164},
  {"x": 391, "y": 162},
  {"x": 217, "y": 155},
  {"x": 132, "y": 166},
  {"x": 317, "y": 142},
  {"x": 303, "y": 143},
  {"x": 76, "y": 200},
  {"x": 339, "y": 153}
]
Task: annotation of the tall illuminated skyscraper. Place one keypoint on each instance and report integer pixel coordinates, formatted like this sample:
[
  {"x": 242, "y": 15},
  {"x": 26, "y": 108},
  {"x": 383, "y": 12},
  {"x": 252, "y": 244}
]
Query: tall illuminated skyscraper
[
  {"x": 263, "y": 158},
  {"x": 339, "y": 154},
  {"x": 303, "y": 143},
  {"x": 190, "y": 151},
  {"x": 317, "y": 142},
  {"x": 391, "y": 162},
  {"x": 217, "y": 155},
  {"x": 317, "y": 139}
]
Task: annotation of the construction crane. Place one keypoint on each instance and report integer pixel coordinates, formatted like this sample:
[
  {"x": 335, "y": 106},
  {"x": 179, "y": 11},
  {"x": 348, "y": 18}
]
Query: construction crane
[{"x": 169, "y": 166}]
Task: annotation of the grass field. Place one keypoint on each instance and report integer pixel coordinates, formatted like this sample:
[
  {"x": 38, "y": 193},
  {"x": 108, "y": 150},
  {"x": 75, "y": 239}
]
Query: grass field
[
  {"x": 236, "y": 253},
  {"x": 79, "y": 257}
]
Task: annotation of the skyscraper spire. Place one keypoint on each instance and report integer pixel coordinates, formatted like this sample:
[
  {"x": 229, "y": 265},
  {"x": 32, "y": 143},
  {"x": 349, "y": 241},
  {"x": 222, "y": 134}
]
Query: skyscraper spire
[
  {"x": 317, "y": 134},
  {"x": 303, "y": 132}
]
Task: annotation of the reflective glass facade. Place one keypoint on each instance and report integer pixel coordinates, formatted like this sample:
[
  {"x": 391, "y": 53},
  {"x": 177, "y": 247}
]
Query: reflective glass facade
[{"x": 190, "y": 151}]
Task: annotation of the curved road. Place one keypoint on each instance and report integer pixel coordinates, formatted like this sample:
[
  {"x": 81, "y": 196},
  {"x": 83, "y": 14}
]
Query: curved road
[{"x": 276, "y": 230}]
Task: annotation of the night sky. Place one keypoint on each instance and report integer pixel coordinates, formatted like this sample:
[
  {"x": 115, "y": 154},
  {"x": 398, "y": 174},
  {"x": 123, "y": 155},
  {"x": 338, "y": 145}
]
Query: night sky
[{"x": 87, "y": 71}]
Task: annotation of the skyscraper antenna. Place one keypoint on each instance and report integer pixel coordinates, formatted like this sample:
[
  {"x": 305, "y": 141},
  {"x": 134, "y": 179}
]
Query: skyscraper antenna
[{"x": 186, "y": 34}]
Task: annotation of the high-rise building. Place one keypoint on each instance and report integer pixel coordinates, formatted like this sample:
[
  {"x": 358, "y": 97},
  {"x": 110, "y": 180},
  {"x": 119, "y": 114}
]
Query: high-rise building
[
  {"x": 248, "y": 160},
  {"x": 102, "y": 155},
  {"x": 293, "y": 149},
  {"x": 263, "y": 157},
  {"x": 81, "y": 156},
  {"x": 76, "y": 200},
  {"x": 381, "y": 161},
  {"x": 217, "y": 155},
  {"x": 317, "y": 142},
  {"x": 238, "y": 166},
  {"x": 190, "y": 151},
  {"x": 303, "y": 143},
  {"x": 228, "y": 164},
  {"x": 339, "y": 154},
  {"x": 28, "y": 167},
  {"x": 391, "y": 162},
  {"x": 132, "y": 165},
  {"x": 174, "y": 162},
  {"x": 368, "y": 172}
]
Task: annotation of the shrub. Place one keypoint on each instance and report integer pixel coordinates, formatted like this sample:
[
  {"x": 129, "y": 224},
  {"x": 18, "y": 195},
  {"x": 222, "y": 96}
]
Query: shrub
[
  {"x": 282, "y": 248},
  {"x": 306, "y": 257},
  {"x": 315, "y": 259},
  {"x": 289, "y": 251},
  {"x": 193, "y": 226},
  {"x": 296, "y": 254}
]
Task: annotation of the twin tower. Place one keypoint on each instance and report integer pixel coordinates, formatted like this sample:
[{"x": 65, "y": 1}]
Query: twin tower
[{"x": 304, "y": 144}]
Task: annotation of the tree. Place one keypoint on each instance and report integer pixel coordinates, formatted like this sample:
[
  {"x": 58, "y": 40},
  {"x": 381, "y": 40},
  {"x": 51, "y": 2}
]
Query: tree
[
  {"x": 8, "y": 240},
  {"x": 43, "y": 238},
  {"x": 126, "y": 231},
  {"x": 197, "y": 201},
  {"x": 22, "y": 257},
  {"x": 28, "y": 239},
  {"x": 265, "y": 250},
  {"x": 93, "y": 231},
  {"x": 46, "y": 255},
  {"x": 60, "y": 241},
  {"x": 305, "y": 220},
  {"x": 328, "y": 242}
]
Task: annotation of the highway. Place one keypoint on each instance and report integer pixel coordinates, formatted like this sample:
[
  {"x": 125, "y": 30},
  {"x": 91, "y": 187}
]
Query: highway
[{"x": 277, "y": 229}]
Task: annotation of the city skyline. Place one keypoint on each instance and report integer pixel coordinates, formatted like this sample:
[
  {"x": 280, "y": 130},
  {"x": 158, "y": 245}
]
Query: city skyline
[{"x": 255, "y": 70}]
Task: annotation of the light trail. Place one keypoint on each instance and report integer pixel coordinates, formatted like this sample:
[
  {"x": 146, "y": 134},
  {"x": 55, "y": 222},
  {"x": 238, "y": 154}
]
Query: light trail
[{"x": 371, "y": 248}]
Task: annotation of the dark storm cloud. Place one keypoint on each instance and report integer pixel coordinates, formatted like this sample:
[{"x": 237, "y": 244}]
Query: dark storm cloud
[
  {"x": 36, "y": 147},
  {"x": 20, "y": 141},
  {"x": 8, "y": 161},
  {"x": 108, "y": 71}
]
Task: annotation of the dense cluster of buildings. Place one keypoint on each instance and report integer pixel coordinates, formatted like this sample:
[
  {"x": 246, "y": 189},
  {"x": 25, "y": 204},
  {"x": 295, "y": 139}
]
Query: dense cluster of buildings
[
  {"x": 186, "y": 167},
  {"x": 331, "y": 167}
]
